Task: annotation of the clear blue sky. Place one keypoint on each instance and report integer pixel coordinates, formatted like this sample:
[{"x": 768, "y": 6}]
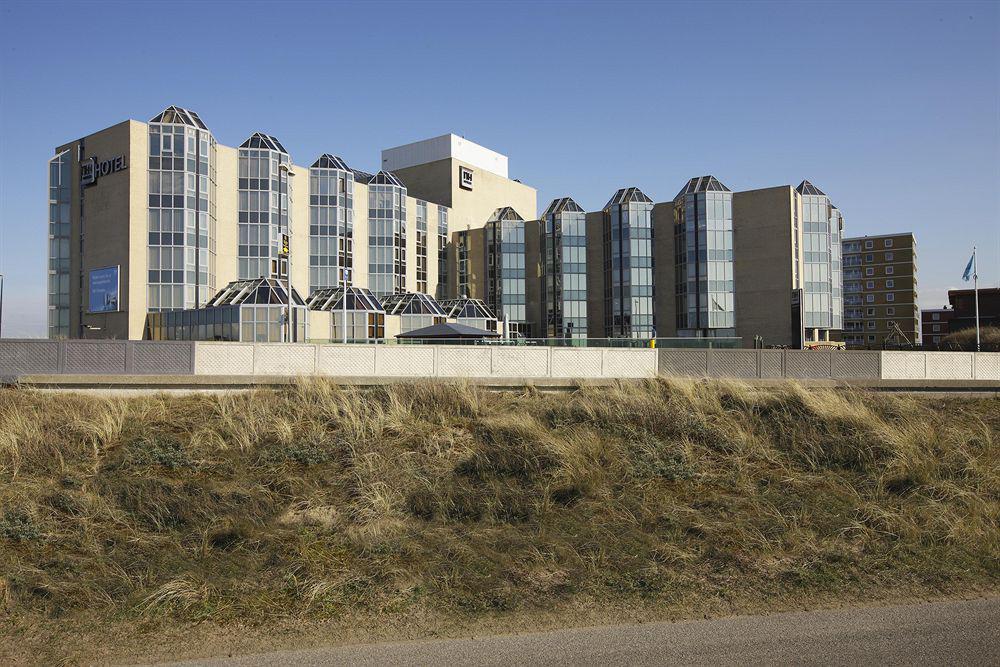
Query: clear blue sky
[{"x": 893, "y": 109}]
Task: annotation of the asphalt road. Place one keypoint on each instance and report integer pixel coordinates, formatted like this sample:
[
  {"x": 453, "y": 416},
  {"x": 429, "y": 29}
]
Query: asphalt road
[{"x": 966, "y": 632}]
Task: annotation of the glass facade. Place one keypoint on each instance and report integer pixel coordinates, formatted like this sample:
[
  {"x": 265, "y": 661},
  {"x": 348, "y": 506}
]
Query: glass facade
[
  {"x": 821, "y": 277},
  {"x": 60, "y": 195},
  {"x": 563, "y": 246},
  {"x": 703, "y": 259},
  {"x": 264, "y": 207},
  {"x": 506, "y": 292},
  {"x": 331, "y": 223},
  {"x": 415, "y": 310},
  {"x": 181, "y": 217},
  {"x": 421, "y": 215},
  {"x": 386, "y": 235},
  {"x": 628, "y": 265},
  {"x": 441, "y": 291}
]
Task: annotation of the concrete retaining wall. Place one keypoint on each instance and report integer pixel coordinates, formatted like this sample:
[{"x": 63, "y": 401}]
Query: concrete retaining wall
[
  {"x": 95, "y": 357},
  {"x": 110, "y": 358}
]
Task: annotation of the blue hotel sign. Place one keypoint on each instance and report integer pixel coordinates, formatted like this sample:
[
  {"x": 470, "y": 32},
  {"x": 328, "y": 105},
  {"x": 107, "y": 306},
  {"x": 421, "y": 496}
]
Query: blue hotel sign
[
  {"x": 104, "y": 284},
  {"x": 91, "y": 169}
]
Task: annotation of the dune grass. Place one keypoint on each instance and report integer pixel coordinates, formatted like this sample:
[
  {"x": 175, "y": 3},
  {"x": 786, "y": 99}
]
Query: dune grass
[{"x": 317, "y": 501}]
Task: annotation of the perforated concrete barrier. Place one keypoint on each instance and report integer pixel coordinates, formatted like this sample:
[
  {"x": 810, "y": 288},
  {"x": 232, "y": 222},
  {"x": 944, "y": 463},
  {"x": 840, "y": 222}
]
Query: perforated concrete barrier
[
  {"x": 988, "y": 366},
  {"x": 629, "y": 363},
  {"x": 160, "y": 357},
  {"x": 91, "y": 357},
  {"x": 577, "y": 363},
  {"x": 683, "y": 363},
  {"x": 857, "y": 365},
  {"x": 22, "y": 357},
  {"x": 404, "y": 361},
  {"x": 223, "y": 359},
  {"x": 463, "y": 361},
  {"x": 732, "y": 363},
  {"x": 520, "y": 362},
  {"x": 346, "y": 360},
  {"x": 949, "y": 365},
  {"x": 809, "y": 364},
  {"x": 284, "y": 359}
]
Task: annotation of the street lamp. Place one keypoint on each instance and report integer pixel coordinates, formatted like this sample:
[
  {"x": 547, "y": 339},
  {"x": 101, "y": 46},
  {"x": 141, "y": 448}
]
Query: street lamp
[{"x": 285, "y": 167}]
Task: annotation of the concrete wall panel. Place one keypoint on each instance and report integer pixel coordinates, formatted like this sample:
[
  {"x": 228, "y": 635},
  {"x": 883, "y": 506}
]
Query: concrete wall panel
[
  {"x": 732, "y": 363},
  {"x": 805, "y": 364},
  {"x": 949, "y": 365},
  {"x": 577, "y": 362},
  {"x": 683, "y": 363},
  {"x": 95, "y": 357},
  {"x": 629, "y": 363},
  {"x": 346, "y": 360},
  {"x": 859, "y": 365},
  {"x": 988, "y": 365},
  {"x": 24, "y": 357},
  {"x": 404, "y": 361},
  {"x": 161, "y": 358},
  {"x": 223, "y": 359},
  {"x": 903, "y": 366},
  {"x": 523, "y": 362},
  {"x": 463, "y": 361},
  {"x": 284, "y": 359},
  {"x": 772, "y": 363}
]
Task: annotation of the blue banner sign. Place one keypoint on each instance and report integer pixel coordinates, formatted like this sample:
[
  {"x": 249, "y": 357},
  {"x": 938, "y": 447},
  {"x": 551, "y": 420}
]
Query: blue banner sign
[{"x": 104, "y": 290}]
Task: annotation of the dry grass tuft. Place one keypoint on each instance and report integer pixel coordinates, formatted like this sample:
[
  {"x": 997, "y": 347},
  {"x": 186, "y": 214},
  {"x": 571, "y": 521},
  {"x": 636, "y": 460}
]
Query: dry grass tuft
[{"x": 316, "y": 499}]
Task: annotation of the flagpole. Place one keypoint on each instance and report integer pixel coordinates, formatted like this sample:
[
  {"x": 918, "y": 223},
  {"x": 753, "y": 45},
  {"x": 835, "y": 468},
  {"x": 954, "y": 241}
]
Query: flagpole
[{"x": 975, "y": 288}]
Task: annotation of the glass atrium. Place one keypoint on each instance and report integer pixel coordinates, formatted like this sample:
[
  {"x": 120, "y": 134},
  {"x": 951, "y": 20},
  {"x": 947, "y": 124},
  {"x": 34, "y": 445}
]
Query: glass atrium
[
  {"x": 365, "y": 315},
  {"x": 331, "y": 222},
  {"x": 244, "y": 310},
  {"x": 563, "y": 246},
  {"x": 470, "y": 312},
  {"x": 263, "y": 207},
  {"x": 703, "y": 259},
  {"x": 181, "y": 217},
  {"x": 415, "y": 310},
  {"x": 386, "y": 234},
  {"x": 628, "y": 265},
  {"x": 506, "y": 292}
]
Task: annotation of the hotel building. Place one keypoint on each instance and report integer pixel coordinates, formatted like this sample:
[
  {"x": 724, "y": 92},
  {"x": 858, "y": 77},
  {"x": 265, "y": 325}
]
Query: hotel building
[
  {"x": 159, "y": 217},
  {"x": 880, "y": 291}
]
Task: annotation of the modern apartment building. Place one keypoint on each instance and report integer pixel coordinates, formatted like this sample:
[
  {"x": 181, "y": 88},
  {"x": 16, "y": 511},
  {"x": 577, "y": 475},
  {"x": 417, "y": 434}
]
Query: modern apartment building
[
  {"x": 158, "y": 217},
  {"x": 880, "y": 291},
  {"x": 563, "y": 270},
  {"x": 787, "y": 265}
]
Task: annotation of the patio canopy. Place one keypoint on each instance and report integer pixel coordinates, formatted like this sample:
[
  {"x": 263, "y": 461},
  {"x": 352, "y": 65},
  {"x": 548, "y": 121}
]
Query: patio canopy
[{"x": 449, "y": 330}]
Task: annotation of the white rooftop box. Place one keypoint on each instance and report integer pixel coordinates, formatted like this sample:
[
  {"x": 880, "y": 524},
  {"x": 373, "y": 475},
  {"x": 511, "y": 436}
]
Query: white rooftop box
[{"x": 441, "y": 148}]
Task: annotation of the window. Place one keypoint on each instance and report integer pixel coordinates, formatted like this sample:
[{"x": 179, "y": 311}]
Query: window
[
  {"x": 871, "y": 324},
  {"x": 888, "y": 243},
  {"x": 869, "y": 258},
  {"x": 889, "y": 256},
  {"x": 890, "y": 297},
  {"x": 870, "y": 312},
  {"x": 869, "y": 245},
  {"x": 935, "y": 316},
  {"x": 889, "y": 270},
  {"x": 871, "y": 339},
  {"x": 890, "y": 283},
  {"x": 869, "y": 271},
  {"x": 937, "y": 339},
  {"x": 465, "y": 178},
  {"x": 870, "y": 298},
  {"x": 890, "y": 311},
  {"x": 936, "y": 328},
  {"x": 870, "y": 284}
]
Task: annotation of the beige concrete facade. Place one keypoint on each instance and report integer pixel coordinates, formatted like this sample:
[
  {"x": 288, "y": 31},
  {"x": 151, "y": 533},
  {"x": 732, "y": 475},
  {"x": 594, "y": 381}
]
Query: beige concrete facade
[
  {"x": 664, "y": 272},
  {"x": 112, "y": 229},
  {"x": 764, "y": 263}
]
